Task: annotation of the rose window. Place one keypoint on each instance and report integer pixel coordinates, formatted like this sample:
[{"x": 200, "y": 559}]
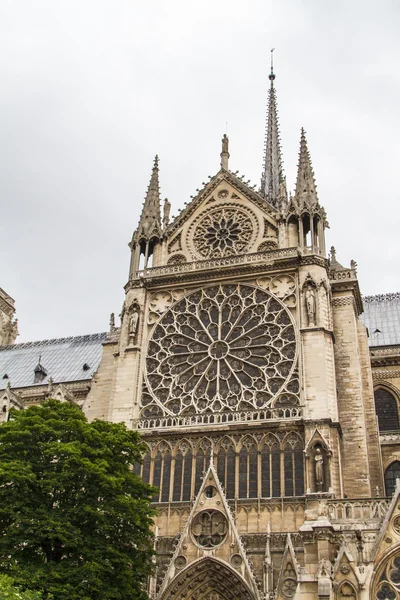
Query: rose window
[
  {"x": 224, "y": 347},
  {"x": 223, "y": 232}
]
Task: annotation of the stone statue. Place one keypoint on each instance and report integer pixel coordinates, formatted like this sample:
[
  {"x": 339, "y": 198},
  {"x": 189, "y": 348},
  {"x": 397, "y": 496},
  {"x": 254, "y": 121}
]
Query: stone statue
[
  {"x": 133, "y": 324},
  {"x": 225, "y": 144},
  {"x": 310, "y": 305},
  {"x": 112, "y": 322},
  {"x": 167, "y": 212},
  {"x": 319, "y": 469}
]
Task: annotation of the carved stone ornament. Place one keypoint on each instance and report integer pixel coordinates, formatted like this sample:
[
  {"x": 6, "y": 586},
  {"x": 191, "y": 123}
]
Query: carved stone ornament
[
  {"x": 224, "y": 231},
  {"x": 180, "y": 562},
  {"x": 160, "y": 301},
  {"x": 236, "y": 561},
  {"x": 222, "y": 347}
]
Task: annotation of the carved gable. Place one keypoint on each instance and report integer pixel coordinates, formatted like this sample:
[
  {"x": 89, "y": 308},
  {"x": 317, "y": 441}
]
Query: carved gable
[
  {"x": 223, "y": 220},
  {"x": 210, "y": 532}
]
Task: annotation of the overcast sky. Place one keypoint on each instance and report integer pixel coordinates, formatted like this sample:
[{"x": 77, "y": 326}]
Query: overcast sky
[{"x": 91, "y": 90}]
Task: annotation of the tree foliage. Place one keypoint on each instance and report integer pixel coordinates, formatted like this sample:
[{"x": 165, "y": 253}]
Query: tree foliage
[
  {"x": 75, "y": 519},
  {"x": 8, "y": 591}
]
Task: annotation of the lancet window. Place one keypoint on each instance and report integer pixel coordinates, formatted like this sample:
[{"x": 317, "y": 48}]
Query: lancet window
[
  {"x": 246, "y": 467},
  {"x": 392, "y": 473},
  {"x": 386, "y": 408}
]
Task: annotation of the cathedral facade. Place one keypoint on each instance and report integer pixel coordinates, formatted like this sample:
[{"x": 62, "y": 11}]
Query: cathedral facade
[{"x": 265, "y": 387}]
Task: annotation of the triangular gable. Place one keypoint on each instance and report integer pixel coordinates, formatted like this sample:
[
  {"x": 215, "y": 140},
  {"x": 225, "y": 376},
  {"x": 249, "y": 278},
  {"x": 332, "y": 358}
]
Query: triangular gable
[
  {"x": 316, "y": 438},
  {"x": 241, "y": 188},
  {"x": 289, "y": 573},
  {"x": 61, "y": 393},
  {"x": 210, "y": 531},
  {"x": 10, "y": 399},
  {"x": 346, "y": 571},
  {"x": 389, "y": 534}
]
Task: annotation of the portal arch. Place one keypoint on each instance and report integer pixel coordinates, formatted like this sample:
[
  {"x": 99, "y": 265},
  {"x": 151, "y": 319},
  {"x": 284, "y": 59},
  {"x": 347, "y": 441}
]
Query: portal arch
[{"x": 208, "y": 578}]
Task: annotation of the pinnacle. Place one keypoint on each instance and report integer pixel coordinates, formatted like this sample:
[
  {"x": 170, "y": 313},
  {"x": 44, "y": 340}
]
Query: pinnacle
[
  {"x": 306, "y": 189},
  {"x": 150, "y": 219}
]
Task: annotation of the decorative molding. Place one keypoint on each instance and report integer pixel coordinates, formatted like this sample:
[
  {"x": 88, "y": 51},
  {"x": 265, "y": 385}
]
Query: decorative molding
[
  {"x": 343, "y": 301},
  {"x": 384, "y": 375}
]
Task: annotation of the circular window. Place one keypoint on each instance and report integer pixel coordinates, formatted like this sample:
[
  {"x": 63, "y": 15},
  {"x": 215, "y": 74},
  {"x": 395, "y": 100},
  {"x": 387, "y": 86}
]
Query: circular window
[
  {"x": 224, "y": 231},
  {"x": 209, "y": 528},
  {"x": 224, "y": 347},
  {"x": 210, "y": 491}
]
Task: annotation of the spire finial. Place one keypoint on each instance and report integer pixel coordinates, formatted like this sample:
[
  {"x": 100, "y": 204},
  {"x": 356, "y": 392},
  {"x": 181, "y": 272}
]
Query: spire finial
[
  {"x": 272, "y": 173},
  {"x": 272, "y": 74}
]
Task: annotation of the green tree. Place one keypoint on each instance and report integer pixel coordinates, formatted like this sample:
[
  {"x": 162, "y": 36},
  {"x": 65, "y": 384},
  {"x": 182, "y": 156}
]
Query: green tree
[
  {"x": 8, "y": 591},
  {"x": 75, "y": 519}
]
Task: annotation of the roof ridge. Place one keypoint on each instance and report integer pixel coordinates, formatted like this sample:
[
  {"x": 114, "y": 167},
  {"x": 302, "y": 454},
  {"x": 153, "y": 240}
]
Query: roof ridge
[
  {"x": 64, "y": 340},
  {"x": 382, "y": 297}
]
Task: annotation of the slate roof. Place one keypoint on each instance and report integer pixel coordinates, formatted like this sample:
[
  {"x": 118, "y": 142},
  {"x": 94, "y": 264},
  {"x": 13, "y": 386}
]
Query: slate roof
[
  {"x": 62, "y": 359},
  {"x": 382, "y": 317}
]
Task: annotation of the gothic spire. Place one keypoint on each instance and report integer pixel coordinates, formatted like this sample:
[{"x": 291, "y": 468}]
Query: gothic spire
[
  {"x": 272, "y": 174},
  {"x": 306, "y": 189},
  {"x": 150, "y": 219}
]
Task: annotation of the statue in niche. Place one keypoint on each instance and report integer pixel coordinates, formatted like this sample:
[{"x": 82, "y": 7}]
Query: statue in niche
[
  {"x": 133, "y": 324},
  {"x": 319, "y": 469},
  {"x": 167, "y": 212},
  {"x": 310, "y": 305}
]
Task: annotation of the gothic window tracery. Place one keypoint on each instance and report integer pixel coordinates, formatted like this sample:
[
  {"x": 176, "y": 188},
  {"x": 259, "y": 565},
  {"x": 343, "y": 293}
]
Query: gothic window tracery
[
  {"x": 225, "y": 347},
  {"x": 388, "y": 585},
  {"x": 247, "y": 468}
]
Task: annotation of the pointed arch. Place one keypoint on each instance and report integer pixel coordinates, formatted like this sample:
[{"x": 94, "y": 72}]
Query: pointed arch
[
  {"x": 387, "y": 407},
  {"x": 386, "y": 577},
  {"x": 346, "y": 591},
  {"x": 205, "y": 577},
  {"x": 392, "y": 473}
]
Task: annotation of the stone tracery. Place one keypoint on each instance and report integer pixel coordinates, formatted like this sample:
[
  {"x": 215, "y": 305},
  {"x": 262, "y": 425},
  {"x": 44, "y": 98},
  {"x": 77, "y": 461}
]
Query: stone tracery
[
  {"x": 224, "y": 231},
  {"x": 223, "y": 347}
]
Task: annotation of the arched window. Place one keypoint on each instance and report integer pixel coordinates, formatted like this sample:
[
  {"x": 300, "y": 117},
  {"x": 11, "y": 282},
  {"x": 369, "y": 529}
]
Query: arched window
[
  {"x": 386, "y": 409},
  {"x": 391, "y": 474},
  {"x": 146, "y": 468},
  {"x": 248, "y": 463},
  {"x": 157, "y": 475},
  {"x": 183, "y": 476},
  {"x": 166, "y": 477},
  {"x": 271, "y": 470},
  {"x": 293, "y": 467},
  {"x": 226, "y": 467},
  {"x": 202, "y": 464}
]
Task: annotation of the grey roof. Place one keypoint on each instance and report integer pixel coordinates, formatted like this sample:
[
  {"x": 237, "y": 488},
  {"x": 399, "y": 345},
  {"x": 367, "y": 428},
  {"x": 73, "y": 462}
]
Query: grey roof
[
  {"x": 382, "y": 317},
  {"x": 62, "y": 359}
]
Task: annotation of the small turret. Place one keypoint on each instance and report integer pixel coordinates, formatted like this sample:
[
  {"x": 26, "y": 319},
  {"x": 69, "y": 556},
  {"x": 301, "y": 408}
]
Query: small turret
[{"x": 149, "y": 230}]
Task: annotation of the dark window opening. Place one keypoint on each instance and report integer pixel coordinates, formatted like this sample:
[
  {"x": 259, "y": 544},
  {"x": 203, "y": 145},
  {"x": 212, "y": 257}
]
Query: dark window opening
[
  {"x": 392, "y": 473},
  {"x": 386, "y": 410}
]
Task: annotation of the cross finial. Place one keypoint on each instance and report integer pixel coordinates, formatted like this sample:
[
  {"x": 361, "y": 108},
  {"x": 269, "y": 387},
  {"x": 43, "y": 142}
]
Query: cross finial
[{"x": 272, "y": 74}]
